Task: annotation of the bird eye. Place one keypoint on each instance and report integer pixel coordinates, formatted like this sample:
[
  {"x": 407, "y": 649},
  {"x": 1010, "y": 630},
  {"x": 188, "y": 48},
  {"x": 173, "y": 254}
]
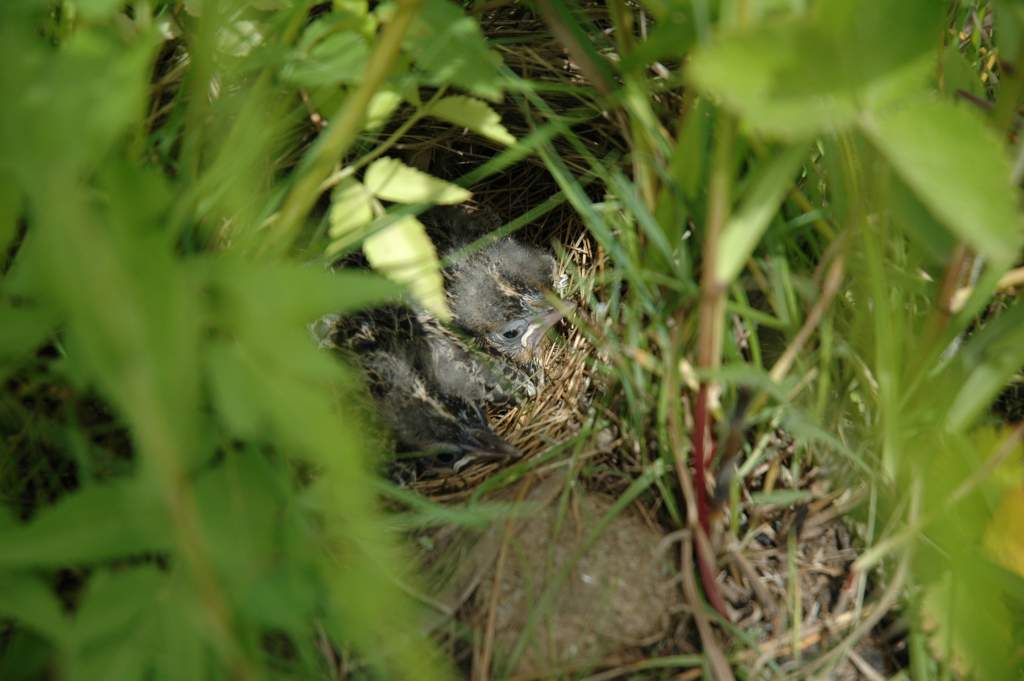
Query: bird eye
[{"x": 511, "y": 331}]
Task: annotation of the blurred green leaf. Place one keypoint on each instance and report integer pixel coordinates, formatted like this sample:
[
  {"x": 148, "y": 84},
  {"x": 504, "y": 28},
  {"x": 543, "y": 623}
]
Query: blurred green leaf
[
  {"x": 232, "y": 388},
  {"x": 114, "y": 603},
  {"x": 956, "y": 166},
  {"x": 987, "y": 362},
  {"x": 10, "y": 210},
  {"x": 869, "y": 40},
  {"x": 748, "y": 223},
  {"x": 957, "y": 72},
  {"x": 799, "y": 77},
  {"x": 931, "y": 236},
  {"x": 98, "y": 10},
  {"x": 474, "y": 114},
  {"x": 669, "y": 40},
  {"x": 113, "y": 628},
  {"x": 33, "y": 604},
  {"x": 690, "y": 156},
  {"x": 404, "y": 252},
  {"x": 102, "y": 80},
  {"x": 749, "y": 71},
  {"x": 25, "y": 657},
  {"x": 450, "y": 48},
  {"x": 241, "y": 504},
  {"x": 330, "y": 51},
  {"x": 290, "y": 295},
  {"x": 392, "y": 180},
  {"x": 96, "y": 523},
  {"x": 25, "y": 329}
]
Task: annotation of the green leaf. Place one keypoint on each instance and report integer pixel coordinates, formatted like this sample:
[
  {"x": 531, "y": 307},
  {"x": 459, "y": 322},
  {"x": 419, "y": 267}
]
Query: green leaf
[
  {"x": 25, "y": 329},
  {"x": 97, "y": 76},
  {"x": 935, "y": 242},
  {"x": 97, "y": 523},
  {"x": 33, "y": 604},
  {"x": 352, "y": 207},
  {"x": 113, "y": 630},
  {"x": 114, "y": 602},
  {"x": 99, "y": 10},
  {"x": 801, "y": 77},
  {"x": 958, "y": 74},
  {"x": 378, "y": 112},
  {"x": 956, "y": 166},
  {"x": 748, "y": 71},
  {"x": 292, "y": 295},
  {"x": 232, "y": 388},
  {"x": 450, "y": 47},
  {"x": 241, "y": 506},
  {"x": 392, "y": 180},
  {"x": 331, "y": 51},
  {"x": 404, "y": 252},
  {"x": 748, "y": 224},
  {"x": 10, "y": 210},
  {"x": 988, "y": 361},
  {"x": 474, "y": 114}
]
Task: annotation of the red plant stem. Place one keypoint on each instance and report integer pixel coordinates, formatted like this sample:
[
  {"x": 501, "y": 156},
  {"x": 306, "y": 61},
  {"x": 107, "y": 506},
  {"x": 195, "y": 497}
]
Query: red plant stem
[
  {"x": 701, "y": 460},
  {"x": 707, "y": 576}
]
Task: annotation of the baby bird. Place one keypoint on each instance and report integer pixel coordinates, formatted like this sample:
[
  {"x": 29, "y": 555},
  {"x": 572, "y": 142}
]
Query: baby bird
[{"x": 430, "y": 382}]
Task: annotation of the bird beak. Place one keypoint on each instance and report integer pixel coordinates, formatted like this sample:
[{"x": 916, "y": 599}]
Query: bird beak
[
  {"x": 491, "y": 447},
  {"x": 541, "y": 323}
]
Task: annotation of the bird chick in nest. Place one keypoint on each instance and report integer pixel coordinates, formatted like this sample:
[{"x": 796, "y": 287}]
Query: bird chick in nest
[{"x": 430, "y": 382}]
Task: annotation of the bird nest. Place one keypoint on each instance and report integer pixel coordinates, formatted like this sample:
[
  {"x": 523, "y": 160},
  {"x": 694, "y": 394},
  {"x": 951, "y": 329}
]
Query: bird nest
[
  {"x": 786, "y": 572},
  {"x": 563, "y": 401}
]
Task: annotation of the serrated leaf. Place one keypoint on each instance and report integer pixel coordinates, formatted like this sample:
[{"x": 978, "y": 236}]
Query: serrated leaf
[
  {"x": 450, "y": 47},
  {"x": 474, "y": 114},
  {"x": 747, "y": 225},
  {"x": 392, "y": 180},
  {"x": 96, "y": 523},
  {"x": 351, "y": 208},
  {"x": 956, "y": 167},
  {"x": 404, "y": 252}
]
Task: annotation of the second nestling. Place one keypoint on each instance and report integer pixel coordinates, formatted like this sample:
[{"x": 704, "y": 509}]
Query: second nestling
[{"x": 431, "y": 383}]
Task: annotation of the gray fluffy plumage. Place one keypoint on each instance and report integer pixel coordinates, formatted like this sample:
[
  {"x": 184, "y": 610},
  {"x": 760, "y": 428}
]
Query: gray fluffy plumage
[{"x": 431, "y": 383}]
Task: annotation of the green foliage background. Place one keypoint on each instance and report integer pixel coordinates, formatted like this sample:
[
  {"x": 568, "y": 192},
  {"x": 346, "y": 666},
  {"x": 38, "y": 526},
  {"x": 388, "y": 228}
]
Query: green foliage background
[{"x": 187, "y": 490}]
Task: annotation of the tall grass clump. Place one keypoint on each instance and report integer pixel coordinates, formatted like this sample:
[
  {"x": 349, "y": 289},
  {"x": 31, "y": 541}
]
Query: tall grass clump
[{"x": 793, "y": 229}]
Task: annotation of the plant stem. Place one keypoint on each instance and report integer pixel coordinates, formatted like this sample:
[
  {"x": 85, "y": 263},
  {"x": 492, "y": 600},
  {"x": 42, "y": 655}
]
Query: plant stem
[{"x": 712, "y": 304}]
